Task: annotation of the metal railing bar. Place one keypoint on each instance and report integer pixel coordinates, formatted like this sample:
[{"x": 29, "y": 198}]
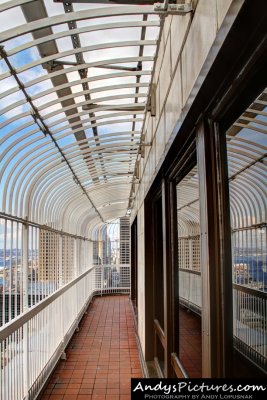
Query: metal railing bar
[
  {"x": 17, "y": 323},
  {"x": 249, "y": 290},
  {"x": 36, "y": 225}
]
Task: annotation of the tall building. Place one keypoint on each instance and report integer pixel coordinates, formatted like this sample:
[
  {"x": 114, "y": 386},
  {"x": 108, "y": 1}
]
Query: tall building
[
  {"x": 48, "y": 256},
  {"x": 56, "y": 258}
]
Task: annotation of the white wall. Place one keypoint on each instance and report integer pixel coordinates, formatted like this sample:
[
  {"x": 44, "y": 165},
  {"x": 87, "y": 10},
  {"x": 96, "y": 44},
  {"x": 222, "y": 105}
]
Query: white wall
[{"x": 183, "y": 61}]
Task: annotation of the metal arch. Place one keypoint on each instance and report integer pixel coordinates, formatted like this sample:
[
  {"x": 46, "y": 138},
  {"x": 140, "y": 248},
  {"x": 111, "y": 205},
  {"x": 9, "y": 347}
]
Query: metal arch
[
  {"x": 9, "y": 92},
  {"x": 122, "y": 187},
  {"x": 96, "y": 108},
  {"x": 249, "y": 181},
  {"x": 74, "y": 16},
  {"x": 245, "y": 204},
  {"x": 255, "y": 179},
  {"x": 251, "y": 128},
  {"x": 47, "y": 208},
  {"x": 56, "y": 209},
  {"x": 243, "y": 161},
  {"x": 78, "y": 67},
  {"x": 37, "y": 181},
  {"x": 53, "y": 202},
  {"x": 17, "y": 130},
  {"x": 259, "y": 196},
  {"x": 32, "y": 187},
  {"x": 110, "y": 161},
  {"x": 92, "y": 91},
  {"x": 75, "y": 207},
  {"x": 15, "y": 168},
  {"x": 91, "y": 227},
  {"x": 49, "y": 186},
  {"x": 22, "y": 158},
  {"x": 84, "y": 219},
  {"x": 49, "y": 166},
  {"x": 250, "y": 198},
  {"x": 13, "y": 106},
  {"x": 29, "y": 134},
  {"x": 38, "y": 194},
  {"x": 112, "y": 141},
  {"x": 100, "y": 184},
  {"x": 72, "y": 204},
  {"x": 15, "y": 118},
  {"x": 10, "y": 149},
  {"x": 256, "y": 175},
  {"x": 32, "y": 180},
  {"x": 235, "y": 212},
  {"x": 244, "y": 153},
  {"x": 107, "y": 117},
  {"x": 13, "y": 3},
  {"x": 122, "y": 60},
  {"x": 34, "y": 177},
  {"x": 246, "y": 141},
  {"x": 98, "y": 124},
  {"x": 29, "y": 170},
  {"x": 67, "y": 53},
  {"x": 55, "y": 194},
  {"x": 85, "y": 29},
  {"x": 96, "y": 90},
  {"x": 95, "y": 78}
]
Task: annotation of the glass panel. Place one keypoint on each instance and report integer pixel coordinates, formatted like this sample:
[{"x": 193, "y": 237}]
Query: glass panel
[
  {"x": 246, "y": 150},
  {"x": 158, "y": 265},
  {"x": 190, "y": 351}
]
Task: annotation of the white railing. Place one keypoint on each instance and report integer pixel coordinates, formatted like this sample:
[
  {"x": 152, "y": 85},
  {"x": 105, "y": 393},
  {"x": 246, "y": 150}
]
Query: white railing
[
  {"x": 250, "y": 324},
  {"x": 190, "y": 290},
  {"x": 32, "y": 343},
  {"x": 112, "y": 278},
  {"x": 249, "y": 315}
]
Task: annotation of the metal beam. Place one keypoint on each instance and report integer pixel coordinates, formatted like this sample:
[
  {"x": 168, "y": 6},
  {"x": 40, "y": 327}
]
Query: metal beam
[{"x": 44, "y": 128}]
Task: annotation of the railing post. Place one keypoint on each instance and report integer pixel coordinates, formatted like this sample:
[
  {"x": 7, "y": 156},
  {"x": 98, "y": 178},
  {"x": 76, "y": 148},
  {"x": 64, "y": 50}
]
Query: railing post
[
  {"x": 75, "y": 258},
  {"x": 102, "y": 278},
  {"x": 25, "y": 302},
  {"x": 60, "y": 260}
]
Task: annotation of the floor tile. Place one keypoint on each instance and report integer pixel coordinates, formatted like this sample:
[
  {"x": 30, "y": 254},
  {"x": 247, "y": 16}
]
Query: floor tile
[{"x": 101, "y": 357}]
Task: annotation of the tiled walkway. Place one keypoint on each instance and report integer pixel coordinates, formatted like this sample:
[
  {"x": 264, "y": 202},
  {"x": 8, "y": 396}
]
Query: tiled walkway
[
  {"x": 101, "y": 358},
  {"x": 190, "y": 343}
]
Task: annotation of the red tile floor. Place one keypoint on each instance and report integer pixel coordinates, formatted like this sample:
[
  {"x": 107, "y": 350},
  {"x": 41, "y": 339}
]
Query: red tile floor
[
  {"x": 190, "y": 343},
  {"x": 101, "y": 358}
]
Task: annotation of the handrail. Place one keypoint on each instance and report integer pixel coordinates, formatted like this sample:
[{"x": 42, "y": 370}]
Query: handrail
[
  {"x": 25, "y": 221},
  {"x": 191, "y": 271},
  {"x": 23, "y": 318},
  {"x": 249, "y": 290}
]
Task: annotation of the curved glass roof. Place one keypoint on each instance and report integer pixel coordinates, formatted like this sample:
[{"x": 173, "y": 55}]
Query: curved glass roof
[{"x": 74, "y": 83}]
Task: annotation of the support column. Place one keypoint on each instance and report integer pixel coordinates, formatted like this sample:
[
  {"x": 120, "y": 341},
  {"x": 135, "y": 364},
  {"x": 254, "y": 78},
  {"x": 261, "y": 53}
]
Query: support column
[
  {"x": 60, "y": 261},
  {"x": 75, "y": 258},
  {"x": 25, "y": 302},
  {"x": 215, "y": 252}
]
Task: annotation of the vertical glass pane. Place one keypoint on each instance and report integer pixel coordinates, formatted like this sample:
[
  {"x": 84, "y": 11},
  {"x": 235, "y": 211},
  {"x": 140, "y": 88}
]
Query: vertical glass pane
[
  {"x": 247, "y": 169},
  {"x": 189, "y": 274}
]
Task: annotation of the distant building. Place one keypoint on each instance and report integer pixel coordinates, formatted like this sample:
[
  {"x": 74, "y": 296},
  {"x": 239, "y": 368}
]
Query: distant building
[{"x": 50, "y": 258}]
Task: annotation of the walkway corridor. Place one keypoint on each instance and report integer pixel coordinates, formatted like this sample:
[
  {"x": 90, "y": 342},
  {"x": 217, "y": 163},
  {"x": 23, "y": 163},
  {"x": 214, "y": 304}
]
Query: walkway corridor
[{"x": 101, "y": 358}]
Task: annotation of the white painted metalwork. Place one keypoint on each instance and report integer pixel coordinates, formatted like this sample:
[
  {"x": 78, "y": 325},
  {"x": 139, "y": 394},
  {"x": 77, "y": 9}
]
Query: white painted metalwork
[
  {"x": 44, "y": 119},
  {"x": 28, "y": 350},
  {"x": 42, "y": 269}
]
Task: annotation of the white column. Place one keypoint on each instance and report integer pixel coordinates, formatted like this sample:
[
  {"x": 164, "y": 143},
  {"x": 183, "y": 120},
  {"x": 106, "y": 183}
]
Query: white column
[
  {"x": 60, "y": 261},
  {"x": 25, "y": 300}
]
